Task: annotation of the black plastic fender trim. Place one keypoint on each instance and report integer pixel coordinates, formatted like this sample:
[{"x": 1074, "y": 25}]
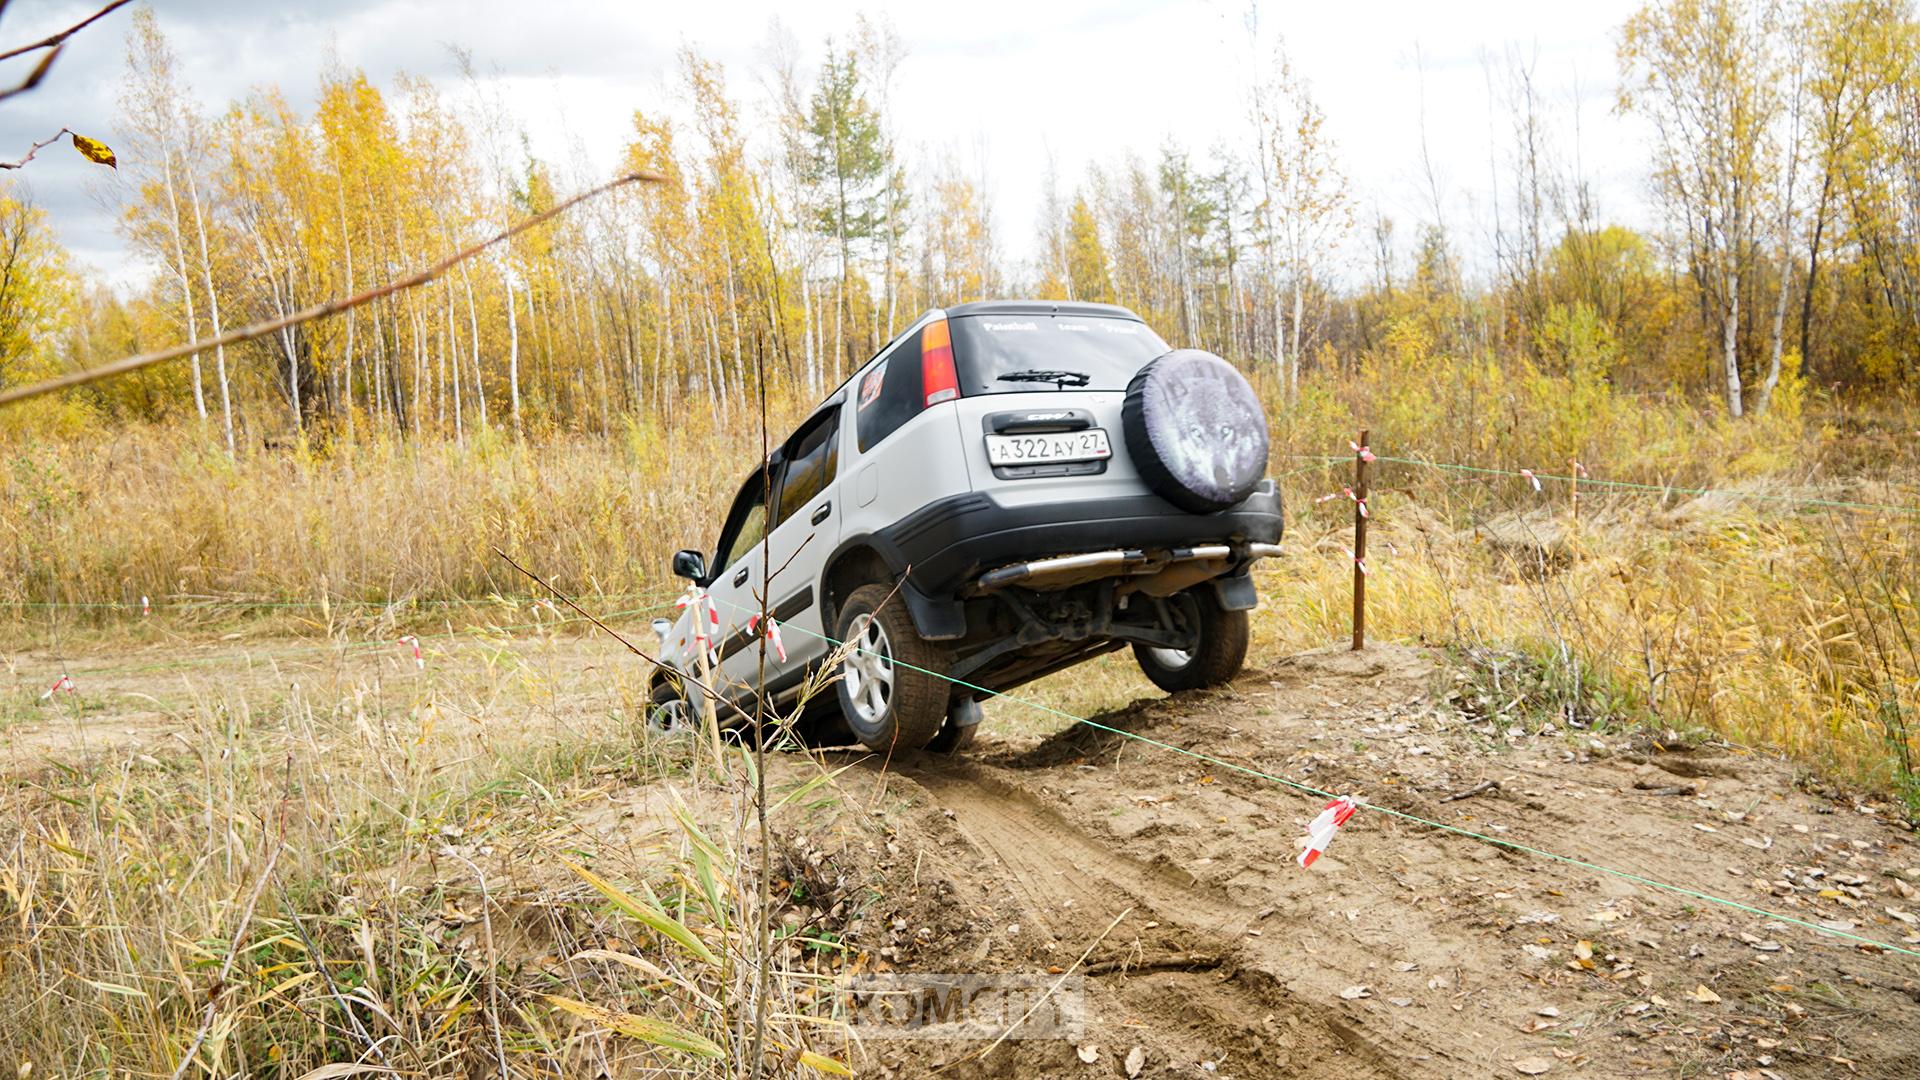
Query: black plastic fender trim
[{"x": 934, "y": 620}]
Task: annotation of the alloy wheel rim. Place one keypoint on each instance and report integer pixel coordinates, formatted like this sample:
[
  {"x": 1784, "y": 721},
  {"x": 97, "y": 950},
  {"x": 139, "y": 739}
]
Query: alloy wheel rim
[
  {"x": 670, "y": 717},
  {"x": 868, "y": 670},
  {"x": 1173, "y": 658}
]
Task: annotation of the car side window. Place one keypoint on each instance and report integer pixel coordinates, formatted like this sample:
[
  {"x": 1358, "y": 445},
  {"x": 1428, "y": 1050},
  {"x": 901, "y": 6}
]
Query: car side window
[
  {"x": 890, "y": 393},
  {"x": 812, "y": 459},
  {"x": 746, "y": 524},
  {"x": 752, "y": 531}
]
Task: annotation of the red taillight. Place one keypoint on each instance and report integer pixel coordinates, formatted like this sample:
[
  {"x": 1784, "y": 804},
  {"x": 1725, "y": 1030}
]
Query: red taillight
[{"x": 937, "y": 377}]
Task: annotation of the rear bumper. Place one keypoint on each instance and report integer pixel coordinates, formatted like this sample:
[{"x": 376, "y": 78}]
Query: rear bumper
[{"x": 950, "y": 542}]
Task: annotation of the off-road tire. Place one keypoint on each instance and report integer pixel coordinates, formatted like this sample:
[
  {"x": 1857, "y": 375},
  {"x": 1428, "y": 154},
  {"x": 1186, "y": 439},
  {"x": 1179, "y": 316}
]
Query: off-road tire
[
  {"x": 1219, "y": 656},
  {"x": 952, "y": 738},
  {"x": 823, "y": 724},
  {"x": 916, "y": 705}
]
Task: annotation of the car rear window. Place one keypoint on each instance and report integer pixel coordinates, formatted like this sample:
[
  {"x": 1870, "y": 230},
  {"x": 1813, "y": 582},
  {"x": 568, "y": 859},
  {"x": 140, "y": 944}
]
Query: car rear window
[
  {"x": 1107, "y": 351},
  {"x": 890, "y": 393}
]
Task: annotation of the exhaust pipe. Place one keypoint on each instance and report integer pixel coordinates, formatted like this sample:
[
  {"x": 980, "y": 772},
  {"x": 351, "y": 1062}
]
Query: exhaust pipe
[{"x": 1056, "y": 570}]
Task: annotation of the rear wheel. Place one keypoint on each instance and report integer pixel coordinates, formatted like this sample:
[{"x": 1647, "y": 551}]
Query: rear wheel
[
  {"x": 963, "y": 722},
  {"x": 888, "y": 691},
  {"x": 1218, "y": 653}
]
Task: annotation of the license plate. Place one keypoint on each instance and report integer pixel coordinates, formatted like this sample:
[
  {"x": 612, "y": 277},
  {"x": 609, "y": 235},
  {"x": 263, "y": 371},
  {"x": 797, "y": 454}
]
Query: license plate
[{"x": 1090, "y": 445}]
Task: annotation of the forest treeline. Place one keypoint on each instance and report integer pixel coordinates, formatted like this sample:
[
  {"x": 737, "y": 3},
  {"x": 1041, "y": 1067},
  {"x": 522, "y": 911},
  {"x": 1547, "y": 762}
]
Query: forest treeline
[{"x": 797, "y": 234}]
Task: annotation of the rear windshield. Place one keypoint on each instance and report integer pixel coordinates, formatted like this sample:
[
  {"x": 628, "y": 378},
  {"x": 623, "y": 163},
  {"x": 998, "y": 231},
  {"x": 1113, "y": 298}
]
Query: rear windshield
[{"x": 1005, "y": 354}]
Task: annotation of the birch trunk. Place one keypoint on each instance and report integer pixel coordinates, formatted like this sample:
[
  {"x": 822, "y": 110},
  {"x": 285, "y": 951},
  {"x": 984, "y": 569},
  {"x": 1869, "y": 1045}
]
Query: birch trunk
[
  {"x": 473, "y": 331},
  {"x": 1299, "y": 314},
  {"x": 213, "y": 312},
  {"x": 513, "y": 349},
  {"x": 450, "y": 354},
  {"x": 346, "y": 246},
  {"x": 186, "y": 282},
  {"x": 1729, "y": 346}
]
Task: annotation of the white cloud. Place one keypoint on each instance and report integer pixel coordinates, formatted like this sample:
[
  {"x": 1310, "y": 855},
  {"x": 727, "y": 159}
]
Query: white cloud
[{"x": 1082, "y": 82}]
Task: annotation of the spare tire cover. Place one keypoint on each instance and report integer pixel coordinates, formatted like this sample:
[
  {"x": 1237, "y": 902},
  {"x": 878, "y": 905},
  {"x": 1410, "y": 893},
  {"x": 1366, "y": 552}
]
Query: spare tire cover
[{"x": 1195, "y": 430}]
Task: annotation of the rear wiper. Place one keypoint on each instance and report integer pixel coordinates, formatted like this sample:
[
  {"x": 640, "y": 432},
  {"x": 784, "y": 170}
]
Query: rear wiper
[{"x": 1063, "y": 378}]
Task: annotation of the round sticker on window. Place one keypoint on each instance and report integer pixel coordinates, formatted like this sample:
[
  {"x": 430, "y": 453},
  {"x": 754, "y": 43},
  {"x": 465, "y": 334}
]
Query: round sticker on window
[{"x": 870, "y": 386}]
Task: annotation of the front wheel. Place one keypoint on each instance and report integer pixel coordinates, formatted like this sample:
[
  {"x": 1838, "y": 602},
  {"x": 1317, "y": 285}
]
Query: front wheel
[
  {"x": 1219, "y": 650},
  {"x": 668, "y": 710},
  {"x": 890, "y": 688}
]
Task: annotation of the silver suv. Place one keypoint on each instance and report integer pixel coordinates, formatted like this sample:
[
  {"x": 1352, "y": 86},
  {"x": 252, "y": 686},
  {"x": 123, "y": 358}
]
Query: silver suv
[{"x": 1005, "y": 490}]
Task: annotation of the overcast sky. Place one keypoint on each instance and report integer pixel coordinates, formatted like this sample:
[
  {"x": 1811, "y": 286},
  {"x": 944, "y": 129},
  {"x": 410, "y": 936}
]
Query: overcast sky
[{"x": 1007, "y": 85}]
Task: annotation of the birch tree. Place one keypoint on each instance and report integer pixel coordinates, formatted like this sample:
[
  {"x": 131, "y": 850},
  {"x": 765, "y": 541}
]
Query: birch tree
[
  {"x": 1303, "y": 209},
  {"x": 848, "y": 165},
  {"x": 162, "y": 149},
  {"x": 1704, "y": 75}
]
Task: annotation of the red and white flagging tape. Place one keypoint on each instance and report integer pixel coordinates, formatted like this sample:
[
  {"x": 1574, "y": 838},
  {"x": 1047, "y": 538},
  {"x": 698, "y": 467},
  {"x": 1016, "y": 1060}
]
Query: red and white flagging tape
[
  {"x": 1321, "y": 830},
  {"x": 705, "y": 627},
  {"x": 1365, "y": 454},
  {"x": 773, "y": 634},
  {"x": 413, "y": 642},
  {"x": 1531, "y": 479},
  {"x": 64, "y": 682},
  {"x": 1346, "y": 493}
]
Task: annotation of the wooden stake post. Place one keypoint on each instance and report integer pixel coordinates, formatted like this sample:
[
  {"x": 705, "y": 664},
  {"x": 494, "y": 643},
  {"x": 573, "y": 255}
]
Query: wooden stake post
[
  {"x": 1360, "y": 544},
  {"x": 1573, "y": 489}
]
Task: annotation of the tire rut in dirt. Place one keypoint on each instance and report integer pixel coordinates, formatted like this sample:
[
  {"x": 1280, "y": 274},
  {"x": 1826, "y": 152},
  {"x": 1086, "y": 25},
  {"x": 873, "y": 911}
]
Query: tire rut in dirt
[
  {"x": 1073, "y": 883},
  {"x": 1258, "y": 1027},
  {"x": 1068, "y": 878}
]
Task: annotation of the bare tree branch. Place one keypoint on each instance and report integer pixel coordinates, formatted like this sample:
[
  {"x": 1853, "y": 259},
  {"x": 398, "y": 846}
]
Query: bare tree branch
[
  {"x": 33, "y": 78},
  {"x": 54, "y": 41},
  {"x": 36, "y": 147}
]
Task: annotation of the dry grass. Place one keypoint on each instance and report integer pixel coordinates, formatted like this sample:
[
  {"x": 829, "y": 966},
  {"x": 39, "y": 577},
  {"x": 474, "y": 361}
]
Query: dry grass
[
  {"x": 1768, "y": 620},
  {"x": 381, "y": 798},
  {"x": 160, "y": 513},
  {"x": 376, "y": 866},
  {"x": 1787, "y": 628}
]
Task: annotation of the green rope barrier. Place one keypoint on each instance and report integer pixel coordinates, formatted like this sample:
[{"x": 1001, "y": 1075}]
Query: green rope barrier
[
  {"x": 1414, "y": 818},
  {"x": 1836, "y": 504}
]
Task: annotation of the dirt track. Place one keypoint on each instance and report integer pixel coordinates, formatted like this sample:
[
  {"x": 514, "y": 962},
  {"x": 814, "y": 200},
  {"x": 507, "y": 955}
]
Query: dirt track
[{"x": 1405, "y": 952}]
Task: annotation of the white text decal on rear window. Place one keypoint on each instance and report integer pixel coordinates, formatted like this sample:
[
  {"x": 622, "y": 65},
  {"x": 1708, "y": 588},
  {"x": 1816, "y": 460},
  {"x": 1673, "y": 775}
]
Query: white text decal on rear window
[{"x": 1011, "y": 326}]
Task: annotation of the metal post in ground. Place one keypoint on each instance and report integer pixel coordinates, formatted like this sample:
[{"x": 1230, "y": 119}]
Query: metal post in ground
[{"x": 1360, "y": 457}]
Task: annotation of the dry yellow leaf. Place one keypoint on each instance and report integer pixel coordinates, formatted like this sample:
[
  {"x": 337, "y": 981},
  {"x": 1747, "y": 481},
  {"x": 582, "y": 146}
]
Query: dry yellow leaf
[
  {"x": 1704, "y": 995},
  {"x": 94, "y": 150}
]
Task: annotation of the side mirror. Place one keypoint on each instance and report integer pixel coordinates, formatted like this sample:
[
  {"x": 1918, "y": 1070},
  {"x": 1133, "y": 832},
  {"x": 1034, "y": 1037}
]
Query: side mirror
[{"x": 689, "y": 564}]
